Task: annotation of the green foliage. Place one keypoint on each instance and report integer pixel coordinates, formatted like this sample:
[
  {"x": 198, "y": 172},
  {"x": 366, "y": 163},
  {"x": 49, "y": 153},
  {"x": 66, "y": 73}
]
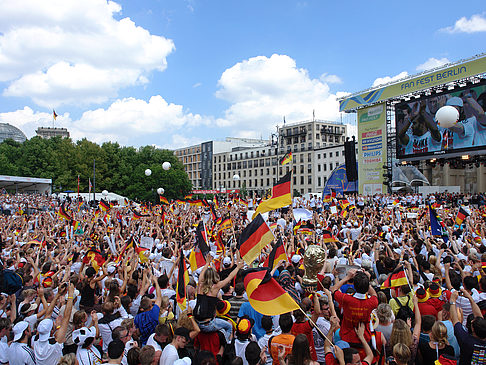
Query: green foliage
[{"x": 118, "y": 169}]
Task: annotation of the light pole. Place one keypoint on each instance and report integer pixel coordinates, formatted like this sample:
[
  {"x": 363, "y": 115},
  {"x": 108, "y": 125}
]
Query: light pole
[{"x": 236, "y": 178}]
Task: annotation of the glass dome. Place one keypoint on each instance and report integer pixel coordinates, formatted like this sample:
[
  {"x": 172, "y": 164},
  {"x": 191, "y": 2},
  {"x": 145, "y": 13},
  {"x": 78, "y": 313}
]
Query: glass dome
[{"x": 9, "y": 131}]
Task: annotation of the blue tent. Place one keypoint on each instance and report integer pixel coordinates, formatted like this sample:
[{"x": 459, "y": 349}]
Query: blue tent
[{"x": 339, "y": 183}]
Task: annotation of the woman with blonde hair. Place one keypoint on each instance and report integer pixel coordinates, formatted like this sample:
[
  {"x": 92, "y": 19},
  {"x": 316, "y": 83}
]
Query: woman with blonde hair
[
  {"x": 438, "y": 345},
  {"x": 68, "y": 359},
  {"x": 207, "y": 297},
  {"x": 401, "y": 354}
]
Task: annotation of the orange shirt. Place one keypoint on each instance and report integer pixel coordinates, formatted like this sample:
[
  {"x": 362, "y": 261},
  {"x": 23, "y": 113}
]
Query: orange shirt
[{"x": 286, "y": 341}]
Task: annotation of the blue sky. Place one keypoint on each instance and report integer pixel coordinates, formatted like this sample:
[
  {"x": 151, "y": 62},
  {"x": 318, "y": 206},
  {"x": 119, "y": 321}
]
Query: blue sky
[{"x": 178, "y": 72}]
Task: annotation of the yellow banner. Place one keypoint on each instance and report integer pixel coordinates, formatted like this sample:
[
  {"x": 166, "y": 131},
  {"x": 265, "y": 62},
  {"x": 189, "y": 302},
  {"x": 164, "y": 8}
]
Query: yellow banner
[{"x": 420, "y": 82}]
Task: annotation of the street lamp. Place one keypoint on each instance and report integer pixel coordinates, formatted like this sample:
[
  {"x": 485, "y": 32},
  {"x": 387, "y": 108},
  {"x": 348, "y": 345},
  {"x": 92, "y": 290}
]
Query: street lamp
[{"x": 160, "y": 191}]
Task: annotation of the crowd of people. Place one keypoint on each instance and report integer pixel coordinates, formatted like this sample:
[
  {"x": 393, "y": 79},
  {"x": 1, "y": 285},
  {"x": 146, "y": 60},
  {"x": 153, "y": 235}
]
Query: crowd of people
[{"x": 84, "y": 284}]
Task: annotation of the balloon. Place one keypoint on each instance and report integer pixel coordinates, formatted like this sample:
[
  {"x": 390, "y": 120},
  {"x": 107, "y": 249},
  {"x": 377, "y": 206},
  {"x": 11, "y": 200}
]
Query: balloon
[
  {"x": 104, "y": 192},
  {"x": 160, "y": 191},
  {"x": 148, "y": 172},
  {"x": 447, "y": 116},
  {"x": 166, "y": 165}
]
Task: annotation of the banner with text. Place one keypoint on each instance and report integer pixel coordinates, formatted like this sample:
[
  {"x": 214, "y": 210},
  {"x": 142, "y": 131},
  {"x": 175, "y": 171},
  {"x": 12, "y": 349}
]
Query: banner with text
[
  {"x": 371, "y": 149},
  {"x": 420, "y": 82}
]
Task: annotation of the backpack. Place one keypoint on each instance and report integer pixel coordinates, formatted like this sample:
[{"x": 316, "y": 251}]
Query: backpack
[
  {"x": 10, "y": 281},
  {"x": 404, "y": 311}
]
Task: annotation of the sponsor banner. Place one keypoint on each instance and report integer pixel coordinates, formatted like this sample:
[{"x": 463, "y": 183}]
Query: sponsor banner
[{"x": 371, "y": 149}]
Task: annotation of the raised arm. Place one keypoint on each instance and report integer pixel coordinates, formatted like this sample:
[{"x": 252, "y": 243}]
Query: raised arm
[{"x": 61, "y": 334}]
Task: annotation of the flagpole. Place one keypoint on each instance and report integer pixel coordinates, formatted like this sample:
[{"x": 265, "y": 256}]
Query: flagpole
[
  {"x": 94, "y": 180},
  {"x": 315, "y": 326}
]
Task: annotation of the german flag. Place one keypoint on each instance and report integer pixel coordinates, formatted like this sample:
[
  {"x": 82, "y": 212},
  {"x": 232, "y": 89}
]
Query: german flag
[
  {"x": 344, "y": 213},
  {"x": 182, "y": 281},
  {"x": 213, "y": 213},
  {"x": 54, "y": 114},
  {"x": 343, "y": 203},
  {"x": 327, "y": 198},
  {"x": 254, "y": 238},
  {"x": 226, "y": 223},
  {"x": 142, "y": 253},
  {"x": 281, "y": 196},
  {"x": 216, "y": 203},
  {"x": 328, "y": 237},
  {"x": 396, "y": 201},
  {"x": 164, "y": 200},
  {"x": 202, "y": 238},
  {"x": 461, "y": 215},
  {"x": 278, "y": 254},
  {"x": 63, "y": 213},
  {"x": 104, "y": 206},
  {"x": 286, "y": 159},
  {"x": 297, "y": 226},
  {"x": 136, "y": 215},
  {"x": 196, "y": 259},
  {"x": 265, "y": 295},
  {"x": 395, "y": 279},
  {"x": 37, "y": 241},
  {"x": 196, "y": 203},
  {"x": 188, "y": 197},
  {"x": 75, "y": 224},
  {"x": 94, "y": 258}
]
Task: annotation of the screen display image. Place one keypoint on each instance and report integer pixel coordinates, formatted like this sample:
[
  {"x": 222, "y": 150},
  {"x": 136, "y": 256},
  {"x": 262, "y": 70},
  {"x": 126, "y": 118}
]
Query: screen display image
[{"x": 419, "y": 134}]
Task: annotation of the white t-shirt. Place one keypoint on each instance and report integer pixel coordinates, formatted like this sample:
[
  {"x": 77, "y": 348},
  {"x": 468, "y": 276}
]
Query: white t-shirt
[
  {"x": 324, "y": 326},
  {"x": 20, "y": 354},
  {"x": 422, "y": 144},
  {"x": 3, "y": 350},
  {"x": 240, "y": 347},
  {"x": 467, "y": 139},
  {"x": 47, "y": 352},
  {"x": 169, "y": 355},
  {"x": 151, "y": 342},
  {"x": 89, "y": 356}
]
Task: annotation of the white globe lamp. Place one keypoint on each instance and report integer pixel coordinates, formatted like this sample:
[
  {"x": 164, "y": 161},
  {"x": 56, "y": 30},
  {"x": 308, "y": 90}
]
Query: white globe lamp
[
  {"x": 148, "y": 172},
  {"x": 447, "y": 116},
  {"x": 166, "y": 165},
  {"x": 160, "y": 191},
  {"x": 236, "y": 177},
  {"x": 104, "y": 193}
]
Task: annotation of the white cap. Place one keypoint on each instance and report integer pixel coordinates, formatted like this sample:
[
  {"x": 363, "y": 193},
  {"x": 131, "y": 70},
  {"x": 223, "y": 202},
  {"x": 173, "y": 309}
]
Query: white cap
[
  {"x": 348, "y": 224},
  {"x": 296, "y": 259},
  {"x": 111, "y": 269},
  {"x": 44, "y": 328},
  {"x": 159, "y": 246},
  {"x": 356, "y": 224},
  {"x": 226, "y": 261},
  {"x": 183, "y": 361},
  {"x": 19, "y": 329}
]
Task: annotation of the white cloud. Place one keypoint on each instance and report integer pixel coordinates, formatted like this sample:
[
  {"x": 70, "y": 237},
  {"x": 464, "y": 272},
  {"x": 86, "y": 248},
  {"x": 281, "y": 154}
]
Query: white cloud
[
  {"x": 264, "y": 89},
  {"x": 432, "y": 63},
  {"x": 387, "y": 79},
  {"x": 197, "y": 84},
  {"x": 330, "y": 79},
  {"x": 124, "y": 121},
  {"x": 69, "y": 51},
  {"x": 477, "y": 23}
]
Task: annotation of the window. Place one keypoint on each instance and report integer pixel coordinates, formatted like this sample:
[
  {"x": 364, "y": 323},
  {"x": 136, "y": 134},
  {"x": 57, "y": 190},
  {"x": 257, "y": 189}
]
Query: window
[
  {"x": 268, "y": 182},
  {"x": 330, "y": 154},
  {"x": 324, "y": 167},
  {"x": 256, "y": 183},
  {"x": 309, "y": 168},
  {"x": 302, "y": 180},
  {"x": 301, "y": 169},
  {"x": 268, "y": 171},
  {"x": 250, "y": 164},
  {"x": 309, "y": 157},
  {"x": 337, "y": 153},
  {"x": 330, "y": 166},
  {"x": 249, "y": 173},
  {"x": 261, "y": 173},
  {"x": 317, "y": 136},
  {"x": 295, "y": 180},
  {"x": 261, "y": 182},
  {"x": 319, "y": 181},
  {"x": 323, "y": 155},
  {"x": 309, "y": 179},
  {"x": 318, "y": 168},
  {"x": 318, "y": 156},
  {"x": 302, "y": 157},
  {"x": 244, "y": 173},
  {"x": 244, "y": 164}
]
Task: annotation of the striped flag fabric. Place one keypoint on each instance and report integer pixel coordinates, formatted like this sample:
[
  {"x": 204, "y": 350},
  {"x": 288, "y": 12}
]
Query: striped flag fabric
[
  {"x": 63, "y": 213},
  {"x": 276, "y": 255},
  {"x": 163, "y": 200},
  {"x": 343, "y": 203},
  {"x": 182, "y": 281},
  {"x": 461, "y": 215},
  {"x": 395, "y": 279},
  {"x": 104, "y": 206},
  {"x": 286, "y": 159},
  {"x": 226, "y": 223},
  {"x": 281, "y": 196},
  {"x": 265, "y": 295},
  {"x": 196, "y": 259},
  {"x": 216, "y": 203},
  {"x": 328, "y": 237},
  {"x": 253, "y": 239},
  {"x": 297, "y": 226},
  {"x": 202, "y": 238},
  {"x": 94, "y": 258},
  {"x": 37, "y": 241},
  {"x": 396, "y": 201}
]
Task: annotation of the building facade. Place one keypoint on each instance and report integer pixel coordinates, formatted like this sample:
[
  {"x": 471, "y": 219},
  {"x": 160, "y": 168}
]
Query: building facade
[
  {"x": 48, "y": 132},
  {"x": 317, "y": 148}
]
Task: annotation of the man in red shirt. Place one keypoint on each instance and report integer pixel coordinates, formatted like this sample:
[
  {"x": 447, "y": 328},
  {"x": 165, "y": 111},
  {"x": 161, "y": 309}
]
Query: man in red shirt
[
  {"x": 425, "y": 304},
  {"x": 356, "y": 308}
]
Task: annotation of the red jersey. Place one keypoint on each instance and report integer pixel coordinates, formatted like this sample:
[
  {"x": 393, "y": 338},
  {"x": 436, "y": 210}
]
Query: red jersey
[
  {"x": 306, "y": 329},
  {"x": 355, "y": 311}
]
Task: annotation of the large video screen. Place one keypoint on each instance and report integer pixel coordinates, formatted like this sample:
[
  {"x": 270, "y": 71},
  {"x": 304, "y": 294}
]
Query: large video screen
[{"x": 419, "y": 135}]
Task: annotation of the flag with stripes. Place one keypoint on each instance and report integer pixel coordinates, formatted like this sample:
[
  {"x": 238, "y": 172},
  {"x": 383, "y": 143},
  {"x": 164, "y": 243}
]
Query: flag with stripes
[
  {"x": 63, "y": 213},
  {"x": 254, "y": 238},
  {"x": 395, "y": 279},
  {"x": 202, "y": 238},
  {"x": 328, "y": 237},
  {"x": 104, "y": 206},
  {"x": 196, "y": 259},
  {"x": 461, "y": 215},
  {"x": 281, "y": 196},
  {"x": 286, "y": 159},
  {"x": 276, "y": 255},
  {"x": 297, "y": 226},
  {"x": 182, "y": 281},
  {"x": 226, "y": 223},
  {"x": 95, "y": 258},
  {"x": 265, "y": 295},
  {"x": 163, "y": 200}
]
